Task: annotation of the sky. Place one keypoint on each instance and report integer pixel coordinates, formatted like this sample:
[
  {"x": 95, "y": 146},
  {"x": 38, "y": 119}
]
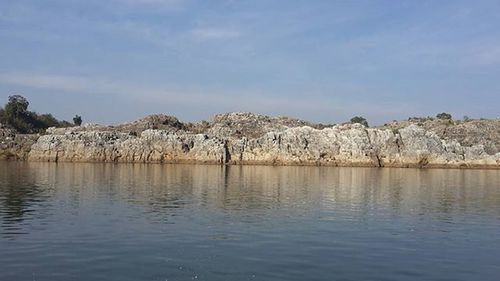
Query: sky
[{"x": 324, "y": 61}]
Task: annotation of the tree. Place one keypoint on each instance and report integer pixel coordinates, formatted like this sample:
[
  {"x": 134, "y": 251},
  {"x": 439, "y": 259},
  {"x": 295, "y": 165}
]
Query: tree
[
  {"x": 444, "y": 116},
  {"x": 360, "y": 120},
  {"x": 77, "y": 120},
  {"x": 466, "y": 118},
  {"x": 16, "y": 107},
  {"x": 16, "y": 113},
  {"x": 46, "y": 120}
]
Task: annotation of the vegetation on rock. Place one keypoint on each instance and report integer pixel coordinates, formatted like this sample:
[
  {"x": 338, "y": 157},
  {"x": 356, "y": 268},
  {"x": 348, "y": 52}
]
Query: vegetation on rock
[
  {"x": 359, "y": 120},
  {"x": 444, "y": 116},
  {"x": 16, "y": 115},
  {"x": 77, "y": 120}
]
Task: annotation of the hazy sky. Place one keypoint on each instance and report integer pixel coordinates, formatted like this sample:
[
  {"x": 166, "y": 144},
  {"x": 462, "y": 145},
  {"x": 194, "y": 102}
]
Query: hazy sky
[{"x": 117, "y": 60}]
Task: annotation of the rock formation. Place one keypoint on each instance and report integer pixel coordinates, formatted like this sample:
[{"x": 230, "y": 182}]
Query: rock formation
[
  {"x": 15, "y": 146},
  {"x": 246, "y": 138}
]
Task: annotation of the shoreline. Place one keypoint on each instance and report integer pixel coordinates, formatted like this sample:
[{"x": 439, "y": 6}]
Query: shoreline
[{"x": 270, "y": 164}]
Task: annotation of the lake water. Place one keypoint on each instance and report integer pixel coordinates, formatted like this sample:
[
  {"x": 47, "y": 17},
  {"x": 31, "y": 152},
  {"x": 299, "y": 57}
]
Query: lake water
[{"x": 197, "y": 222}]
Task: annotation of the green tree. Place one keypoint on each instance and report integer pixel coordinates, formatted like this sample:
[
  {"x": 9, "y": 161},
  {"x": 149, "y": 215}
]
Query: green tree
[
  {"x": 65, "y": 124},
  {"x": 360, "y": 120},
  {"x": 444, "y": 116},
  {"x": 77, "y": 120},
  {"x": 44, "y": 121},
  {"x": 16, "y": 113},
  {"x": 16, "y": 107}
]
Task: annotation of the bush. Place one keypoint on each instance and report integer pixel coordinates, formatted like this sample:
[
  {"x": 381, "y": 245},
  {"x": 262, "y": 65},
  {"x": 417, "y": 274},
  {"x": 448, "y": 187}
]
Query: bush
[
  {"x": 444, "y": 116},
  {"x": 360, "y": 120},
  {"x": 77, "y": 120},
  {"x": 46, "y": 120},
  {"x": 65, "y": 124}
]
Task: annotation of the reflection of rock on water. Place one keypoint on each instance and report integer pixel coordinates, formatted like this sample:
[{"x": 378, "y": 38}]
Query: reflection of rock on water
[
  {"x": 23, "y": 197},
  {"x": 30, "y": 189}
]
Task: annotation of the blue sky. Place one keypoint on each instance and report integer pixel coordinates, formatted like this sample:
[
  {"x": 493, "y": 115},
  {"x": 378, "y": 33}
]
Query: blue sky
[{"x": 118, "y": 60}]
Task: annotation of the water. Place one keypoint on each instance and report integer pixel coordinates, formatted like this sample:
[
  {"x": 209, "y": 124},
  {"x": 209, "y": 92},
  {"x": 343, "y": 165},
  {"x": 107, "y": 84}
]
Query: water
[{"x": 187, "y": 222}]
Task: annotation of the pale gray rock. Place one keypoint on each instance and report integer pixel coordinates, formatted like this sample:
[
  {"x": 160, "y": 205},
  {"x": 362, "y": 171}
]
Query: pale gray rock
[
  {"x": 151, "y": 146},
  {"x": 15, "y": 146},
  {"x": 245, "y": 138}
]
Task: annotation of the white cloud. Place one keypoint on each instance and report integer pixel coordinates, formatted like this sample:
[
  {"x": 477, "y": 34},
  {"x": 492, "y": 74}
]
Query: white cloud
[
  {"x": 164, "y": 3},
  {"x": 487, "y": 56},
  {"x": 215, "y": 33},
  {"x": 208, "y": 100},
  {"x": 168, "y": 2},
  {"x": 247, "y": 101},
  {"x": 64, "y": 83},
  {"x": 79, "y": 84}
]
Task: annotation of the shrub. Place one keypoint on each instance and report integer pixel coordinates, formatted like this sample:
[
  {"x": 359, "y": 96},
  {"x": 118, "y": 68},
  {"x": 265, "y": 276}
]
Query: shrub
[
  {"x": 444, "y": 116},
  {"x": 77, "y": 120},
  {"x": 360, "y": 120},
  {"x": 45, "y": 121}
]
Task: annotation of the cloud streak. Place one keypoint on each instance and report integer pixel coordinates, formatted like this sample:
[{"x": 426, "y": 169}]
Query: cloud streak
[
  {"x": 208, "y": 100},
  {"x": 323, "y": 58},
  {"x": 215, "y": 33},
  {"x": 164, "y": 4},
  {"x": 94, "y": 86}
]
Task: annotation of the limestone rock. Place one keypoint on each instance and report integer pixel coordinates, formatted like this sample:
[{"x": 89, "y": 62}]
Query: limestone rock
[
  {"x": 245, "y": 138},
  {"x": 15, "y": 146}
]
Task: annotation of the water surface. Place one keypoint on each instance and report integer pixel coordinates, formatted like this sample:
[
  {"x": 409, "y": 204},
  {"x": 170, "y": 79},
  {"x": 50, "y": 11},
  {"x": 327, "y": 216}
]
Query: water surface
[{"x": 195, "y": 222}]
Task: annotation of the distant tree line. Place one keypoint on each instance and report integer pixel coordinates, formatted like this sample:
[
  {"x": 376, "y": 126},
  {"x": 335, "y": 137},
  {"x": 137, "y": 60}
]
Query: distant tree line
[{"x": 16, "y": 115}]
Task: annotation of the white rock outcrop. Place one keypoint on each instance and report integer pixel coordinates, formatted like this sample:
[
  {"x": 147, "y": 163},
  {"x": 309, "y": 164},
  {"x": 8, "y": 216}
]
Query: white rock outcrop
[{"x": 278, "y": 141}]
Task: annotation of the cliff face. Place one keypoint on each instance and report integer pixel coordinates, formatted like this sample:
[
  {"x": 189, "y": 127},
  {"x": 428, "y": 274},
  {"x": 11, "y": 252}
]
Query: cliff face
[
  {"x": 245, "y": 138},
  {"x": 113, "y": 146},
  {"x": 473, "y": 132},
  {"x": 15, "y": 146}
]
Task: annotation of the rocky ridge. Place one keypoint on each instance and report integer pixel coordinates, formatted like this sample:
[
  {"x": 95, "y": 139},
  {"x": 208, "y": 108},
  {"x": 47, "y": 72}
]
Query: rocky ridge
[{"x": 246, "y": 138}]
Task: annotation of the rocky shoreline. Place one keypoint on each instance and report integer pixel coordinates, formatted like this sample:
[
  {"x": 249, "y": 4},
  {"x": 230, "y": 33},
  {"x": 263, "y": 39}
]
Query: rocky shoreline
[{"x": 246, "y": 138}]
